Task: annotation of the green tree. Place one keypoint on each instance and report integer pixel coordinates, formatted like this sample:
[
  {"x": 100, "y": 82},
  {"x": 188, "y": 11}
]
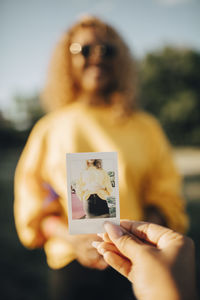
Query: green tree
[
  {"x": 26, "y": 110},
  {"x": 16, "y": 123},
  {"x": 170, "y": 89}
]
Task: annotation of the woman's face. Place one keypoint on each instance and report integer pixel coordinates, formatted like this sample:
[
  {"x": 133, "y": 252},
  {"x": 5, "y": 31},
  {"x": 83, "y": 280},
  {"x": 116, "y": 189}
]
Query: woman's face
[
  {"x": 93, "y": 59},
  {"x": 90, "y": 162}
]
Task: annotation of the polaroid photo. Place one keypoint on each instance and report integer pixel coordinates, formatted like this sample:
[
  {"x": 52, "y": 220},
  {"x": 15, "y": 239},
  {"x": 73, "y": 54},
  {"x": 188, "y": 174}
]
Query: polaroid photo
[{"x": 93, "y": 191}]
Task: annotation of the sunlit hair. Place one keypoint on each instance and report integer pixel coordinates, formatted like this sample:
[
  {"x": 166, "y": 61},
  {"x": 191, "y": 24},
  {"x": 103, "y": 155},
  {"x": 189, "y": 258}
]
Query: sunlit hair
[
  {"x": 61, "y": 89},
  {"x": 96, "y": 163}
]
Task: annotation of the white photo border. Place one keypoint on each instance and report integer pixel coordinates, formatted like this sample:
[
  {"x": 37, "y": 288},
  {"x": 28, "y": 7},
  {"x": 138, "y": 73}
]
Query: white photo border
[{"x": 86, "y": 226}]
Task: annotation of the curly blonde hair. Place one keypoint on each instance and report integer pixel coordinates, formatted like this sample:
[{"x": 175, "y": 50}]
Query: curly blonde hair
[
  {"x": 96, "y": 163},
  {"x": 60, "y": 88}
]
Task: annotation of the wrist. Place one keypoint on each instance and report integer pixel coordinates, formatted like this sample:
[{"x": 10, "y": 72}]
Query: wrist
[
  {"x": 163, "y": 286},
  {"x": 167, "y": 290},
  {"x": 161, "y": 293}
]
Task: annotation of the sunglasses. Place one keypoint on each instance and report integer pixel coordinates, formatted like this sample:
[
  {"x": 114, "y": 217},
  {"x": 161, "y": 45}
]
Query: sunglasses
[{"x": 103, "y": 50}]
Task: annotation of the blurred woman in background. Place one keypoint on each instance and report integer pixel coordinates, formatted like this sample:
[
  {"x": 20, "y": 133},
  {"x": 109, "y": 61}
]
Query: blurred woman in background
[{"x": 91, "y": 91}]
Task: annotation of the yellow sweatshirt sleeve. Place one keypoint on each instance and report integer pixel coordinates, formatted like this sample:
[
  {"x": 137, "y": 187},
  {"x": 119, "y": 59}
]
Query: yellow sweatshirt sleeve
[
  {"x": 107, "y": 190},
  {"x": 30, "y": 194},
  {"x": 29, "y": 189},
  {"x": 162, "y": 187},
  {"x": 82, "y": 193}
]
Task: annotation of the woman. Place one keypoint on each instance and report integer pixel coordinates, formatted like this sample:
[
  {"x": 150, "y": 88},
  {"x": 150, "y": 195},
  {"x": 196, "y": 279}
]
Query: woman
[
  {"x": 93, "y": 188},
  {"x": 92, "y": 89}
]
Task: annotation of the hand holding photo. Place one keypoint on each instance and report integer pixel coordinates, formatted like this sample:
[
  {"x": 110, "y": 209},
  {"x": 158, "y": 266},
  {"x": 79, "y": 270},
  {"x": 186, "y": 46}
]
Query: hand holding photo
[{"x": 93, "y": 195}]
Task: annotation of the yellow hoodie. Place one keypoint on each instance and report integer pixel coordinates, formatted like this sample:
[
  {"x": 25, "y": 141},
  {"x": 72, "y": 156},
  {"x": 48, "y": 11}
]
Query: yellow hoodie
[{"x": 147, "y": 175}]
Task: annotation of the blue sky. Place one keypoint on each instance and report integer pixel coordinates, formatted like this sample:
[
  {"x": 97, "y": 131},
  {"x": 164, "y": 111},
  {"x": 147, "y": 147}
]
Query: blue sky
[{"x": 29, "y": 30}]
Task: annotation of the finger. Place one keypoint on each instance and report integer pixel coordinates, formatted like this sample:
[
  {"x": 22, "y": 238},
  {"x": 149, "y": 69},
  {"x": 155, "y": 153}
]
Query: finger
[
  {"x": 93, "y": 254},
  {"x": 99, "y": 263},
  {"x": 120, "y": 264},
  {"x": 153, "y": 233},
  {"x": 127, "y": 244},
  {"x": 104, "y": 237},
  {"x": 103, "y": 247}
]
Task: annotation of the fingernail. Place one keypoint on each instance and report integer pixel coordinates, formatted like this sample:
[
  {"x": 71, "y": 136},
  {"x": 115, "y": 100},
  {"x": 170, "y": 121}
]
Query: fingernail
[
  {"x": 100, "y": 234},
  {"x": 96, "y": 244},
  {"x": 101, "y": 251},
  {"x": 113, "y": 230}
]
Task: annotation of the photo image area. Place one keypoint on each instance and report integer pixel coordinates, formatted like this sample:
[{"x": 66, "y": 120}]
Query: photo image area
[{"x": 93, "y": 189}]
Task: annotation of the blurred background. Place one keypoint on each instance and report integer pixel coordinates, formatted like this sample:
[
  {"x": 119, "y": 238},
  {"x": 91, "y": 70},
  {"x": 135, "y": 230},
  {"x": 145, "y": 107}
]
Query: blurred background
[{"x": 163, "y": 36}]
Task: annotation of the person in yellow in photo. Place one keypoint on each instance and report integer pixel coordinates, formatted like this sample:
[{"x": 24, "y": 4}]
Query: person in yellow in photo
[
  {"x": 91, "y": 92},
  {"x": 93, "y": 188}
]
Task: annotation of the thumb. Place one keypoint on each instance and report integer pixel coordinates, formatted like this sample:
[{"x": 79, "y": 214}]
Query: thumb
[{"x": 125, "y": 242}]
